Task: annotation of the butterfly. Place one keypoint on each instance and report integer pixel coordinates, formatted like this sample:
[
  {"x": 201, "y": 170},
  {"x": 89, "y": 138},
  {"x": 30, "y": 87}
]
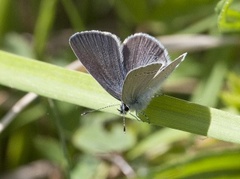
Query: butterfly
[{"x": 132, "y": 71}]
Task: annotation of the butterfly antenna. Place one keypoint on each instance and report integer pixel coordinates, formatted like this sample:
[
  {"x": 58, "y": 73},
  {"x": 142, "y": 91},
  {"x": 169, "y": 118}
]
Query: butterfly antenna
[
  {"x": 93, "y": 110},
  {"x": 124, "y": 124}
]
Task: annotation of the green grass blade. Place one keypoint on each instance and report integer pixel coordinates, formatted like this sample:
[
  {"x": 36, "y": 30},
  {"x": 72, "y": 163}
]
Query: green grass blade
[
  {"x": 4, "y": 16},
  {"x": 44, "y": 25},
  {"x": 208, "y": 90},
  {"x": 81, "y": 89},
  {"x": 74, "y": 16},
  {"x": 52, "y": 81},
  {"x": 194, "y": 118},
  {"x": 220, "y": 164}
]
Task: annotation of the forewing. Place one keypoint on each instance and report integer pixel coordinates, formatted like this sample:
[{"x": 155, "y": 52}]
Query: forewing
[
  {"x": 142, "y": 83},
  {"x": 100, "y": 53},
  {"x": 136, "y": 88},
  {"x": 141, "y": 50},
  {"x": 162, "y": 74}
]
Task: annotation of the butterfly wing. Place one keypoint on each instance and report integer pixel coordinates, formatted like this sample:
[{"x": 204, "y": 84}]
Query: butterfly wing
[
  {"x": 99, "y": 53},
  {"x": 136, "y": 88},
  {"x": 142, "y": 49},
  {"x": 162, "y": 74},
  {"x": 142, "y": 83}
]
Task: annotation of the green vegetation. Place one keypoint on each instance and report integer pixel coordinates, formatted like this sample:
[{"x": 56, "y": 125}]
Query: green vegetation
[{"x": 192, "y": 131}]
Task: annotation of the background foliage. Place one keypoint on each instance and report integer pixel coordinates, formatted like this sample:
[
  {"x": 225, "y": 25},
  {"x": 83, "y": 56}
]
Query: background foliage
[{"x": 53, "y": 136}]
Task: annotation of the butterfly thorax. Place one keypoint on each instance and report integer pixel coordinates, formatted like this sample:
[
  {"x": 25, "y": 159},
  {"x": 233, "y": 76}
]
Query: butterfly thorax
[{"x": 123, "y": 109}]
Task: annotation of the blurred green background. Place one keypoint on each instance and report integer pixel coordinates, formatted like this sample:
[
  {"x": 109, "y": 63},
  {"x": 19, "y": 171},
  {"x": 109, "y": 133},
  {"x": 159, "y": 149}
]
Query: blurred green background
[{"x": 50, "y": 139}]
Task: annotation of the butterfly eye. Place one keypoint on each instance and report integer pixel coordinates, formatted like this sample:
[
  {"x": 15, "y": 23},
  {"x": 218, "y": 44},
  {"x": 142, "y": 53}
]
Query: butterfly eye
[{"x": 126, "y": 108}]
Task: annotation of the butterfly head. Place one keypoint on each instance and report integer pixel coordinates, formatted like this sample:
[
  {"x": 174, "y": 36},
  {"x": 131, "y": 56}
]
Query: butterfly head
[{"x": 123, "y": 109}]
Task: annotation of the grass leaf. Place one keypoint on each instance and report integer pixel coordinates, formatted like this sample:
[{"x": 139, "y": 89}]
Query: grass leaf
[{"x": 81, "y": 89}]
